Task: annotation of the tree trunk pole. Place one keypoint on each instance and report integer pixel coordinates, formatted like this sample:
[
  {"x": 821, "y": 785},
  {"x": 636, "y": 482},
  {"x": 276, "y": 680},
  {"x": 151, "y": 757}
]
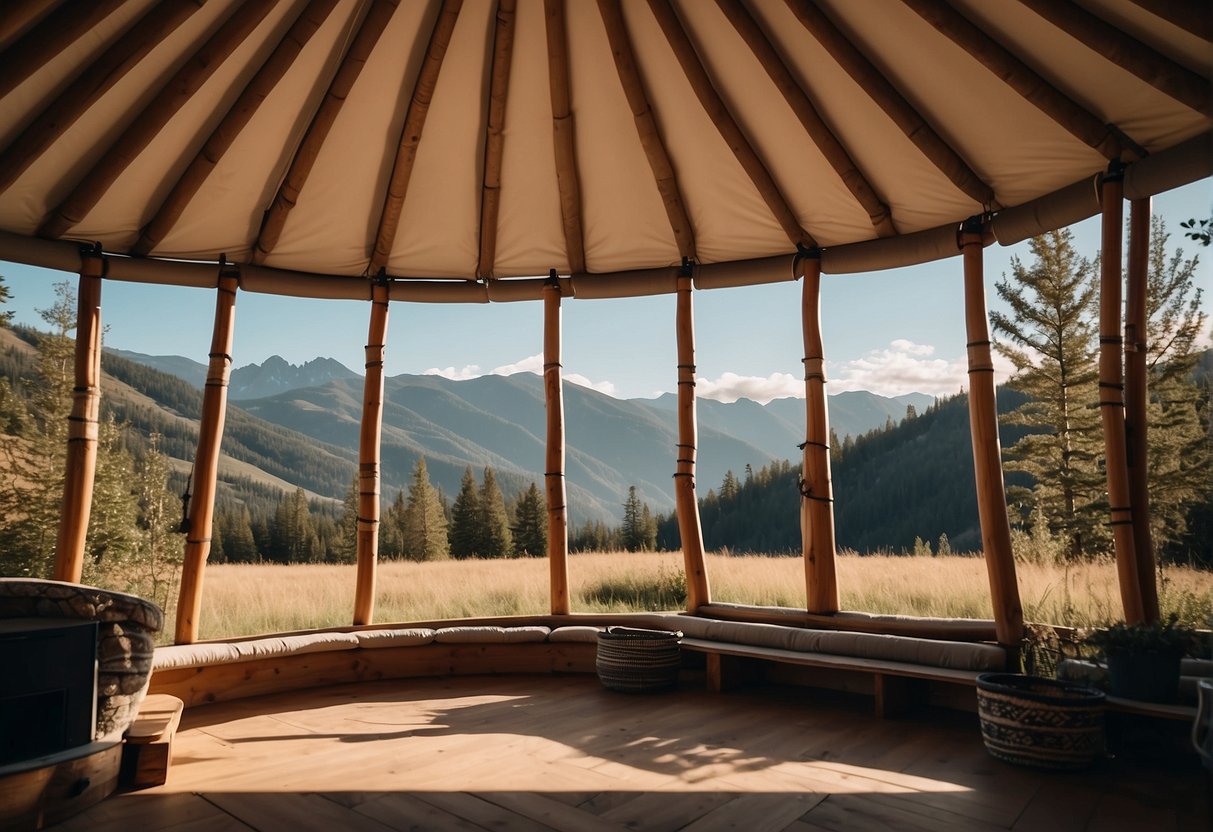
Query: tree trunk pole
[
  {"x": 816, "y": 487},
  {"x": 553, "y": 478},
  {"x": 1136, "y": 390},
  {"x": 1111, "y": 397},
  {"x": 206, "y": 460},
  {"x": 687, "y": 506},
  {"x": 369, "y": 443},
  {"x": 80, "y": 467},
  {"x": 987, "y": 451}
]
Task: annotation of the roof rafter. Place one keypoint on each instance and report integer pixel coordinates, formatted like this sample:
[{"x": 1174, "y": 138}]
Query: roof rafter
[
  {"x": 821, "y": 134},
  {"x": 1156, "y": 69},
  {"x": 355, "y": 59},
  {"x": 730, "y": 131},
  {"x": 109, "y": 68},
  {"x": 646, "y": 127},
  {"x": 147, "y": 124},
  {"x": 1191, "y": 15},
  {"x": 234, "y": 121},
  {"x": 52, "y": 35},
  {"x": 872, "y": 81},
  {"x": 19, "y": 16},
  {"x": 410, "y": 134},
  {"x": 563, "y": 134},
  {"x": 1019, "y": 76},
  {"x": 494, "y": 146}
]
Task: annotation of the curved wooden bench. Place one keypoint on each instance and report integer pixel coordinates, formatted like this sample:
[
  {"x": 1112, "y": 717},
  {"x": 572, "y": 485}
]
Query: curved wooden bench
[{"x": 896, "y": 665}]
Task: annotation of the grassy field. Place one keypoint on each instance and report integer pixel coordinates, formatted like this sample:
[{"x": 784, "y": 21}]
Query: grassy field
[{"x": 250, "y": 599}]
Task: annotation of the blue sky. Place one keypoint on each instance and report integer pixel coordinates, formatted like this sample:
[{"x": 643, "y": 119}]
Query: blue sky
[{"x": 890, "y": 332}]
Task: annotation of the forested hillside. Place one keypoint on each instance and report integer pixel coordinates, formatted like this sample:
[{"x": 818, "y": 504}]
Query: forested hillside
[{"x": 892, "y": 485}]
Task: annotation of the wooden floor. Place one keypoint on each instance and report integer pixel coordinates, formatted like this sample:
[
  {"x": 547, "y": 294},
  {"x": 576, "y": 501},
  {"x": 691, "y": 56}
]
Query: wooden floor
[{"x": 533, "y": 753}]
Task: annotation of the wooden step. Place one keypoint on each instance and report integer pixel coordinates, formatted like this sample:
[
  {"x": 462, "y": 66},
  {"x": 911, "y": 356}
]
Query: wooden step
[{"x": 148, "y": 748}]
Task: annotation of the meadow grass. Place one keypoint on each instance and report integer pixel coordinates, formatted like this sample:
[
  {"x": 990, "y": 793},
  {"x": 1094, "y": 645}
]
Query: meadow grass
[{"x": 248, "y": 599}]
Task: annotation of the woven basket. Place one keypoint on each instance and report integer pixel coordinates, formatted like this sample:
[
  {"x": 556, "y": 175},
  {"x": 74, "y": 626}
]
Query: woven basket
[
  {"x": 638, "y": 661},
  {"x": 1043, "y": 723}
]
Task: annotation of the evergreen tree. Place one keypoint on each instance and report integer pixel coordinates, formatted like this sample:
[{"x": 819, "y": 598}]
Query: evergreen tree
[
  {"x": 496, "y": 540},
  {"x": 112, "y": 540},
  {"x": 729, "y": 486},
  {"x": 294, "y": 538},
  {"x": 162, "y": 551},
  {"x": 1177, "y": 418},
  {"x": 238, "y": 539},
  {"x": 6, "y": 318},
  {"x": 630, "y": 533},
  {"x": 391, "y": 529},
  {"x": 530, "y": 524},
  {"x": 345, "y": 548},
  {"x": 31, "y": 478},
  {"x": 424, "y": 533},
  {"x": 639, "y": 530},
  {"x": 648, "y": 529},
  {"x": 1051, "y": 338},
  {"x": 465, "y": 518}
]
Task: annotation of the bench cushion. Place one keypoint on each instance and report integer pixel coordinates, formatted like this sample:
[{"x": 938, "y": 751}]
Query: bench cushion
[
  {"x": 575, "y": 633},
  {"x": 291, "y": 645},
  {"x": 490, "y": 635},
  {"x": 404, "y": 637}
]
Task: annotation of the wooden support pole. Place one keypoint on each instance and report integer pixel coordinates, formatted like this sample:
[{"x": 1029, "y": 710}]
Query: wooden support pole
[
  {"x": 206, "y": 460},
  {"x": 553, "y": 478},
  {"x": 987, "y": 451},
  {"x": 1136, "y": 381},
  {"x": 494, "y": 140},
  {"x": 80, "y": 467},
  {"x": 369, "y": 443},
  {"x": 689, "y": 530},
  {"x": 816, "y": 488},
  {"x": 1111, "y": 396},
  {"x": 563, "y": 134}
]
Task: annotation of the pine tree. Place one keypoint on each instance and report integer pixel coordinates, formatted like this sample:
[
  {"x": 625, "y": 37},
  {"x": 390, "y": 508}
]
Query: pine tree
[
  {"x": 496, "y": 540},
  {"x": 6, "y": 318},
  {"x": 31, "y": 482},
  {"x": 629, "y": 531},
  {"x": 391, "y": 529},
  {"x": 729, "y": 486},
  {"x": 1178, "y": 442},
  {"x": 346, "y": 547},
  {"x": 1051, "y": 338},
  {"x": 424, "y": 533},
  {"x": 295, "y": 539},
  {"x": 530, "y": 524},
  {"x": 648, "y": 529},
  {"x": 465, "y": 518},
  {"x": 161, "y": 553},
  {"x": 239, "y": 541}
]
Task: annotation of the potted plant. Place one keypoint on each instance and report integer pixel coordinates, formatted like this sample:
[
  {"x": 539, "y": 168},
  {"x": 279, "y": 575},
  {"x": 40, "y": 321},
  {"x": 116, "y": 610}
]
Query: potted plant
[{"x": 1144, "y": 659}]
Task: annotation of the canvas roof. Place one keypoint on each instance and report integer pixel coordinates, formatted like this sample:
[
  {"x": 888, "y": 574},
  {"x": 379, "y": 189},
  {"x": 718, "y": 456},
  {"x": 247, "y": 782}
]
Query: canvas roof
[{"x": 456, "y": 145}]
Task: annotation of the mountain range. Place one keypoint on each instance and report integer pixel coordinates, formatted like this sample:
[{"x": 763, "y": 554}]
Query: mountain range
[{"x": 499, "y": 421}]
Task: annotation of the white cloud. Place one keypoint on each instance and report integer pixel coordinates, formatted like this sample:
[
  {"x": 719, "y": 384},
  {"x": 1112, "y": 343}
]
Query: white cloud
[
  {"x": 462, "y": 374},
  {"x": 730, "y": 387},
  {"x": 606, "y": 387},
  {"x": 903, "y": 345},
  {"x": 530, "y": 364},
  {"x": 905, "y": 367}
]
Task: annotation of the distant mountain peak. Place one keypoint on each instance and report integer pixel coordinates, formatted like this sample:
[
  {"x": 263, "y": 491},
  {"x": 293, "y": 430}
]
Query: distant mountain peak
[{"x": 277, "y": 375}]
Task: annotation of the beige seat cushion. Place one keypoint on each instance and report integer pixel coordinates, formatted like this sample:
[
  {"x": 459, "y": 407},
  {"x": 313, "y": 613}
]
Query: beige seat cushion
[{"x": 403, "y": 637}]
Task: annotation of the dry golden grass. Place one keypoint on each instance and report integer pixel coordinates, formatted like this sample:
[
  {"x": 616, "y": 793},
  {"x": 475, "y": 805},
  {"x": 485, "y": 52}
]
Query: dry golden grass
[{"x": 250, "y": 599}]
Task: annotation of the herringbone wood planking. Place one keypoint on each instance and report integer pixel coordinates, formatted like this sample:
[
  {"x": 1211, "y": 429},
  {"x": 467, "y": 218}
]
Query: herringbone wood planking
[{"x": 536, "y": 753}]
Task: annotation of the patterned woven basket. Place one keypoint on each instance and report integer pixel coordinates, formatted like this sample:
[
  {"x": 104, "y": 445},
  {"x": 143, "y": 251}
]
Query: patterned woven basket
[
  {"x": 1038, "y": 722},
  {"x": 638, "y": 661}
]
